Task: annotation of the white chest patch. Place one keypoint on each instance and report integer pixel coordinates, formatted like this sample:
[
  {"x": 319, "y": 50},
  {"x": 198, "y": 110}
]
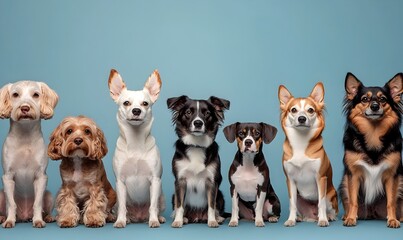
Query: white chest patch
[
  {"x": 373, "y": 179},
  {"x": 196, "y": 173},
  {"x": 246, "y": 179}
]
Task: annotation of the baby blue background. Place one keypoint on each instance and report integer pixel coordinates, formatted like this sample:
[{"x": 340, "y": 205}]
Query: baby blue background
[{"x": 237, "y": 50}]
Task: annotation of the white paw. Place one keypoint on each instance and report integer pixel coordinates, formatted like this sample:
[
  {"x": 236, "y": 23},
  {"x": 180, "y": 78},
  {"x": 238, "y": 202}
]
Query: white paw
[
  {"x": 259, "y": 223},
  {"x": 273, "y": 219},
  {"x": 154, "y": 224},
  {"x": 9, "y": 224},
  {"x": 213, "y": 224},
  {"x": 38, "y": 224},
  {"x": 119, "y": 224},
  {"x": 289, "y": 223},
  {"x": 233, "y": 223},
  {"x": 177, "y": 224},
  {"x": 161, "y": 219},
  {"x": 323, "y": 223}
]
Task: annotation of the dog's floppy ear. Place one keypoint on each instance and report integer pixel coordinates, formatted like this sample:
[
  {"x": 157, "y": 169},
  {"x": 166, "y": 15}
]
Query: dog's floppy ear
[
  {"x": 269, "y": 132},
  {"x": 116, "y": 84},
  {"x": 176, "y": 103},
  {"x": 220, "y": 105},
  {"x": 396, "y": 87},
  {"x": 351, "y": 84},
  {"x": 284, "y": 95},
  {"x": 55, "y": 144},
  {"x": 318, "y": 93},
  {"x": 48, "y": 101},
  {"x": 230, "y": 132},
  {"x": 5, "y": 101},
  {"x": 100, "y": 146},
  {"x": 153, "y": 85}
]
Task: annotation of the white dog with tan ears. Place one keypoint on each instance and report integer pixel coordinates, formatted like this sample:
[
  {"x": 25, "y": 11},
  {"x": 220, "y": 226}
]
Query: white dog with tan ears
[
  {"x": 25, "y": 158},
  {"x": 136, "y": 162}
]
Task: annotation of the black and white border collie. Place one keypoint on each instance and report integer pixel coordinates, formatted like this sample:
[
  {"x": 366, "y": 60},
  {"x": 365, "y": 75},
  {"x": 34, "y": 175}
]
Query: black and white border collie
[{"x": 196, "y": 164}]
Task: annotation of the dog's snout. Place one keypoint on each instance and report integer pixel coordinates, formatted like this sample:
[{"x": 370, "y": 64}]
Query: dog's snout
[
  {"x": 248, "y": 143},
  {"x": 375, "y": 106},
  {"x": 25, "y": 109},
  {"x": 78, "y": 141},
  {"x": 198, "y": 123},
  {"x": 136, "y": 111},
  {"x": 301, "y": 119}
]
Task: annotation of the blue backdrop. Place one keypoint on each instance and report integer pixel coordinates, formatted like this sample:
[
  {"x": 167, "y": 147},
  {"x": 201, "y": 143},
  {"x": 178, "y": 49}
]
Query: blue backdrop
[{"x": 233, "y": 49}]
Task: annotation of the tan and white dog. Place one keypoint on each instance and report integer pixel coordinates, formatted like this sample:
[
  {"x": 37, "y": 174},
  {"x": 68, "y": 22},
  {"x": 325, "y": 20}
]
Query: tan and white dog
[
  {"x": 306, "y": 165},
  {"x": 136, "y": 162},
  {"x": 24, "y": 153}
]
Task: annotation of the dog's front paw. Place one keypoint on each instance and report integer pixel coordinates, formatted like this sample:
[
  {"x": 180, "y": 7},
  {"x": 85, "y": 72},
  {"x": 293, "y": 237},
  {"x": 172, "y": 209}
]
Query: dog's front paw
[
  {"x": 177, "y": 224},
  {"x": 259, "y": 223},
  {"x": 273, "y": 219},
  {"x": 213, "y": 224},
  {"x": 393, "y": 223},
  {"x": 331, "y": 217},
  {"x": 350, "y": 222},
  {"x": 2, "y": 219},
  {"x": 95, "y": 223},
  {"x": 323, "y": 223},
  {"x": 289, "y": 223},
  {"x": 233, "y": 223},
  {"x": 110, "y": 218},
  {"x": 49, "y": 219},
  {"x": 154, "y": 224},
  {"x": 38, "y": 224},
  {"x": 9, "y": 224},
  {"x": 119, "y": 224},
  {"x": 67, "y": 223}
]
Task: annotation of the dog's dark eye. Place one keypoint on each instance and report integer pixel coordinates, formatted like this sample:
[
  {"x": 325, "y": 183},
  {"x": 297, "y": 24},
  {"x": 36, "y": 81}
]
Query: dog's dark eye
[
  {"x": 293, "y": 110},
  {"x": 188, "y": 112},
  {"x": 207, "y": 113},
  {"x": 311, "y": 110},
  {"x": 126, "y": 103},
  {"x": 69, "y": 131},
  {"x": 257, "y": 134},
  {"x": 87, "y": 131},
  {"x": 145, "y": 104},
  {"x": 241, "y": 134},
  {"x": 36, "y": 95},
  {"x": 364, "y": 99},
  {"x": 382, "y": 100},
  {"x": 16, "y": 95}
]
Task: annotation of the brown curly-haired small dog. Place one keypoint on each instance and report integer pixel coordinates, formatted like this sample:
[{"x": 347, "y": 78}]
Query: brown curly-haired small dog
[{"x": 86, "y": 194}]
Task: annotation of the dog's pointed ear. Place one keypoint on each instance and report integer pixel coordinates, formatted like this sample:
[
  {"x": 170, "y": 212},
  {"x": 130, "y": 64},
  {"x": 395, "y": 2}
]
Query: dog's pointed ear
[
  {"x": 5, "y": 101},
  {"x": 116, "y": 84},
  {"x": 269, "y": 132},
  {"x": 49, "y": 100},
  {"x": 284, "y": 95},
  {"x": 176, "y": 103},
  {"x": 153, "y": 85},
  {"x": 351, "y": 84},
  {"x": 230, "y": 132},
  {"x": 318, "y": 93},
  {"x": 395, "y": 86},
  {"x": 100, "y": 147},
  {"x": 55, "y": 144}
]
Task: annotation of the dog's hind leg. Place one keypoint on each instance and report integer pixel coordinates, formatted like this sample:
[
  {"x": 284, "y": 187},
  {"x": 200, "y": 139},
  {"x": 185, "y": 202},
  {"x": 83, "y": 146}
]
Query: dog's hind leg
[
  {"x": 48, "y": 207},
  {"x": 2, "y": 207}
]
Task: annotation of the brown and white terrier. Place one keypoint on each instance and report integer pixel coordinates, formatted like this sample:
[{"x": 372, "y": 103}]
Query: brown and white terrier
[
  {"x": 86, "y": 194},
  {"x": 306, "y": 165}
]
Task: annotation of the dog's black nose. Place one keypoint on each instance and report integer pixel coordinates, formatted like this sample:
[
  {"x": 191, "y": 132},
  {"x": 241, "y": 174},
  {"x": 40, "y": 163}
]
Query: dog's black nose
[
  {"x": 301, "y": 119},
  {"x": 198, "y": 123},
  {"x": 136, "y": 111},
  {"x": 78, "y": 141},
  {"x": 374, "y": 106},
  {"x": 248, "y": 143}
]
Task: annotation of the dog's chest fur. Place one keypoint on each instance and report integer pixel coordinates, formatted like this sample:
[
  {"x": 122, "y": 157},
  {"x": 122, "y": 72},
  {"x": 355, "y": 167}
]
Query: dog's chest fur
[
  {"x": 246, "y": 178},
  {"x": 300, "y": 168},
  {"x": 196, "y": 173}
]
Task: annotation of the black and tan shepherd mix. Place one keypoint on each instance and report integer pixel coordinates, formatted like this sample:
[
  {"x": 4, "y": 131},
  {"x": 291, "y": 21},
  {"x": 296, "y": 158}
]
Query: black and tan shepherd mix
[{"x": 372, "y": 185}]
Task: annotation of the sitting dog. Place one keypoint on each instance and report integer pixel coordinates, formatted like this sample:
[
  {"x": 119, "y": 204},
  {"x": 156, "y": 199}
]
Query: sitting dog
[
  {"x": 306, "y": 165},
  {"x": 86, "y": 194},
  {"x": 373, "y": 152},
  {"x": 24, "y": 154},
  {"x": 252, "y": 194},
  {"x": 136, "y": 162},
  {"x": 196, "y": 164}
]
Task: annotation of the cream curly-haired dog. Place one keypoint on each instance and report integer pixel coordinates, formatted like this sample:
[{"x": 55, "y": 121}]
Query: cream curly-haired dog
[
  {"x": 86, "y": 194},
  {"x": 24, "y": 197}
]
